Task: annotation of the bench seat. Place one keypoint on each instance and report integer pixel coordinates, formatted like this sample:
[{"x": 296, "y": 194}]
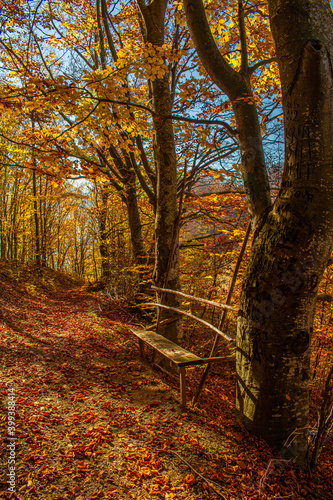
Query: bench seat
[{"x": 173, "y": 352}]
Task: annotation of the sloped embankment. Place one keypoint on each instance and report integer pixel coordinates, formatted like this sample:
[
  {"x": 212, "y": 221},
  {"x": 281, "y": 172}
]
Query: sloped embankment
[{"x": 94, "y": 422}]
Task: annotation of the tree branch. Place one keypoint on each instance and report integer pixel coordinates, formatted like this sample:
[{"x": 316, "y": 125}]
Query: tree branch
[
  {"x": 257, "y": 65},
  {"x": 215, "y": 193},
  {"x": 243, "y": 43},
  {"x": 100, "y": 35},
  {"x": 107, "y": 31},
  {"x": 91, "y": 66},
  {"x": 210, "y": 483},
  {"x": 231, "y": 130},
  {"x": 223, "y": 75},
  {"x": 77, "y": 123}
]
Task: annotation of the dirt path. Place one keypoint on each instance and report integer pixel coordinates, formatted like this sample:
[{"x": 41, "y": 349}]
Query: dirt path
[{"x": 94, "y": 422}]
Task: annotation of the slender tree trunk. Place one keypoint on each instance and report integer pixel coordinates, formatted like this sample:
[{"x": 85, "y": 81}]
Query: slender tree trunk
[
  {"x": 134, "y": 220},
  {"x": 36, "y": 219},
  {"x": 103, "y": 235},
  {"x": 138, "y": 248},
  {"x": 4, "y": 215},
  {"x": 95, "y": 264},
  {"x": 292, "y": 249},
  {"x": 166, "y": 272},
  {"x": 44, "y": 219},
  {"x": 128, "y": 194}
]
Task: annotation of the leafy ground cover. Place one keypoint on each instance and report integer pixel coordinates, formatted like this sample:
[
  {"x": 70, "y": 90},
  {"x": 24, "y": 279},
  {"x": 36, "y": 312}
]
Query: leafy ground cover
[{"x": 94, "y": 422}]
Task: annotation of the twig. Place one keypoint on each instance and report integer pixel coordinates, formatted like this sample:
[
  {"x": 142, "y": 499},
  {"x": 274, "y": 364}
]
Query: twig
[
  {"x": 207, "y": 481},
  {"x": 274, "y": 461}
]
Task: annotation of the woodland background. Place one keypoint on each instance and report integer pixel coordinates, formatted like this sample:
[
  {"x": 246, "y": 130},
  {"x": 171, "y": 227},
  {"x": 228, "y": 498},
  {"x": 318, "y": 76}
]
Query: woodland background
[{"x": 78, "y": 181}]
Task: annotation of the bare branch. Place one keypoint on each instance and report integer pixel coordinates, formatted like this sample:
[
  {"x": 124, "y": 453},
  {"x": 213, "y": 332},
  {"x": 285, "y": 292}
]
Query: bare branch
[
  {"x": 107, "y": 31},
  {"x": 263, "y": 62}
]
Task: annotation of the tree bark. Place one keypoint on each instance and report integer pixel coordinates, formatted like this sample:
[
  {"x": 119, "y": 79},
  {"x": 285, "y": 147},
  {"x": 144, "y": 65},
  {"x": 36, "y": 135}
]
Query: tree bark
[
  {"x": 134, "y": 221},
  {"x": 291, "y": 251},
  {"x": 103, "y": 234},
  {"x": 125, "y": 185},
  {"x": 166, "y": 272},
  {"x": 293, "y": 241}
]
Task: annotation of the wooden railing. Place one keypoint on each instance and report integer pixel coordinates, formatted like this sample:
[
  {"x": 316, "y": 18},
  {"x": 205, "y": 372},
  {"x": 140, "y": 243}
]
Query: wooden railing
[
  {"x": 226, "y": 336},
  {"x": 226, "y": 308}
]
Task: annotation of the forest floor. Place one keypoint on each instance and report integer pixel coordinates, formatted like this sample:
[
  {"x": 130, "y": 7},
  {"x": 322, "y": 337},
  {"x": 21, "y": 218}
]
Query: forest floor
[{"x": 95, "y": 422}]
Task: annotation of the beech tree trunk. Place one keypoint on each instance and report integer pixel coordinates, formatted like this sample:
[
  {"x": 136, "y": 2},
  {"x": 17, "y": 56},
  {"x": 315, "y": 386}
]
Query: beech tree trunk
[
  {"x": 292, "y": 250},
  {"x": 294, "y": 238},
  {"x": 166, "y": 272}
]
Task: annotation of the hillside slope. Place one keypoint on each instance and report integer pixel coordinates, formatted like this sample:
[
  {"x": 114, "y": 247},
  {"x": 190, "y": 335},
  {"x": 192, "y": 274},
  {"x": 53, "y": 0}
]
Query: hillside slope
[{"x": 94, "y": 422}]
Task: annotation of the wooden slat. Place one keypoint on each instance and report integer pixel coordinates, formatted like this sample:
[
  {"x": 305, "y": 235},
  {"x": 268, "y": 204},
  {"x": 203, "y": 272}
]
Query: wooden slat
[
  {"x": 212, "y": 327},
  {"x": 172, "y": 351},
  {"x": 197, "y": 299},
  {"x": 204, "y": 361}
]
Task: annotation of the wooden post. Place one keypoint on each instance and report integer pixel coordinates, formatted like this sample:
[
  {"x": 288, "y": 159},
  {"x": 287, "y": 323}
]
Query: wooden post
[
  {"x": 182, "y": 378},
  {"x": 142, "y": 349},
  {"x": 223, "y": 317}
]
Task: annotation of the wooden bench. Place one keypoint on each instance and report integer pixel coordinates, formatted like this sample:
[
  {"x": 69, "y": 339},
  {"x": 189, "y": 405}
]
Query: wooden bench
[{"x": 174, "y": 353}]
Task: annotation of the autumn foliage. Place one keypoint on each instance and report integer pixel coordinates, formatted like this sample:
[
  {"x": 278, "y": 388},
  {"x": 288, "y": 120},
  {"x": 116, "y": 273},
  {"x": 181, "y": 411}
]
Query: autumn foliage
[{"x": 79, "y": 193}]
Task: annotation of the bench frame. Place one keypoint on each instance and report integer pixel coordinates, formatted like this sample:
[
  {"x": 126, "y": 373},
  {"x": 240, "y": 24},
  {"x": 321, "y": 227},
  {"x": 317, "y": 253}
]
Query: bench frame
[
  {"x": 218, "y": 331},
  {"x": 179, "y": 356}
]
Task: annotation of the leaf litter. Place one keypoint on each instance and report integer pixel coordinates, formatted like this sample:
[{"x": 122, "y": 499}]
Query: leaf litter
[{"x": 95, "y": 422}]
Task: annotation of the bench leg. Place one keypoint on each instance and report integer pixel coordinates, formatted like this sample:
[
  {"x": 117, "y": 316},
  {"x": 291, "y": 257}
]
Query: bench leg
[
  {"x": 142, "y": 349},
  {"x": 182, "y": 380}
]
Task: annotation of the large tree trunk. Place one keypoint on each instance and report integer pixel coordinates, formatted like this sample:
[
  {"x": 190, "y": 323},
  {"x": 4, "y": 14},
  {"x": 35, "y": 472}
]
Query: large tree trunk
[
  {"x": 293, "y": 240},
  {"x": 290, "y": 253},
  {"x": 166, "y": 272}
]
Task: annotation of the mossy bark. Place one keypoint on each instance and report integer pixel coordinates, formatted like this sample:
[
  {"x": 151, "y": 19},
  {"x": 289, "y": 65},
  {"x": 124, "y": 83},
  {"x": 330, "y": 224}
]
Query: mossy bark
[
  {"x": 293, "y": 239},
  {"x": 292, "y": 249}
]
